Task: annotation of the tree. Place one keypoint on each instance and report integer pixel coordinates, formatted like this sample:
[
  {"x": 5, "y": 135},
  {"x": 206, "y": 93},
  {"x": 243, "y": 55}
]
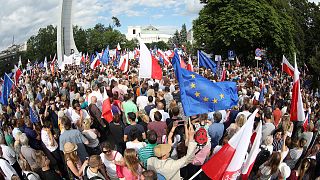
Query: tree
[
  {"x": 116, "y": 22},
  {"x": 243, "y": 25},
  {"x": 80, "y": 38},
  {"x": 183, "y": 35}
]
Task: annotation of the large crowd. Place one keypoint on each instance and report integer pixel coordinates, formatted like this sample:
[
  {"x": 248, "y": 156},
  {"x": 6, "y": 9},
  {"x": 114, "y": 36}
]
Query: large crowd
[{"x": 149, "y": 137}]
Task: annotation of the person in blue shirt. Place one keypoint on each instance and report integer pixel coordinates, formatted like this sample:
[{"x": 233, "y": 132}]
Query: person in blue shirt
[{"x": 216, "y": 129}]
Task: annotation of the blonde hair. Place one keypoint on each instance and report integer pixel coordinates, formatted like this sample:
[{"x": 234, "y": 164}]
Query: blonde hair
[
  {"x": 86, "y": 123},
  {"x": 268, "y": 141},
  {"x": 24, "y": 165},
  {"x": 131, "y": 160},
  {"x": 240, "y": 120},
  {"x": 72, "y": 156}
]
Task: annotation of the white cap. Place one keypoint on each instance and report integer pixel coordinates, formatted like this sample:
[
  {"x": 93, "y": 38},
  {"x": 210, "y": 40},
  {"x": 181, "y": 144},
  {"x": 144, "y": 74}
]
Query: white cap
[{"x": 285, "y": 170}]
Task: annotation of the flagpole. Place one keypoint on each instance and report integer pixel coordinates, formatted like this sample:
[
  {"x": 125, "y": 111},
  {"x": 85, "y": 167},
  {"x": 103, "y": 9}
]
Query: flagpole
[{"x": 196, "y": 174}]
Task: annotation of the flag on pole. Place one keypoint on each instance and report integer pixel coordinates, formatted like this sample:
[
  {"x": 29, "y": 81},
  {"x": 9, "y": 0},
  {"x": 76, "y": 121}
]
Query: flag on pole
[
  {"x": 227, "y": 162},
  {"x": 287, "y": 67},
  {"x": 106, "y": 107},
  {"x": 164, "y": 57},
  {"x": 124, "y": 63},
  {"x": 20, "y": 62},
  {"x": 190, "y": 66},
  {"x": 17, "y": 74},
  {"x": 45, "y": 63},
  {"x": 105, "y": 56},
  {"x": 6, "y": 88},
  {"x": 296, "y": 110},
  {"x": 237, "y": 61},
  {"x": 200, "y": 95},
  {"x": 261, "y": 95},
  {"x": 95, "y": 63},
  {"x": 255, "y": 149},
  {"x": 205, "y": 61},
  {"x": 149, "y": 67},
  {"x": 306, "y": 122},
  {"x": 33, "y": 115},
  {"x": 118, "y": 47}
]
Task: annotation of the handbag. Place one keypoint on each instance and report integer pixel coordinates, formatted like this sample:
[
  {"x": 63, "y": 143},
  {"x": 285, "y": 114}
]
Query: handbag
[{"x": 119, "y": 169}]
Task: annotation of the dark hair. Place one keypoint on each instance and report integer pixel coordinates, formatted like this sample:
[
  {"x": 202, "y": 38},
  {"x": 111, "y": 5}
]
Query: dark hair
[
  {"x": 116, "y": 118},
  {"x": 66, "y": 122},
  {"x": 132, "y": 116},
  {"x": 268, "y": 115},
  {"x": 152, "y": 137},
  {"x": 134, "y": 134},
  {"x": 175, "y": 111},
  {"x": 107, "y": 145},
  {"x": 157, "y": 116},
  {"x": 46, "y": 124},
  {"x": 150, "y": 99},
  {"x": 149, "y": 175}
]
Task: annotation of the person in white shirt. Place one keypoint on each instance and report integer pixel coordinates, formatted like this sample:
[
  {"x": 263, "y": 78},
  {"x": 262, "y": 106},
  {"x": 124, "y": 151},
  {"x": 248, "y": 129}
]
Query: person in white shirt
[
  {"x": 96, "y": 92},
  {"x": 9, "y": 154},
  {"x": 159, "y": 108},
  {"x": 27, "y": 172},
  {"x": 7, "y": 170},
  {"x": 142, "y": 102},
  {"x": 110, "y": 158}
]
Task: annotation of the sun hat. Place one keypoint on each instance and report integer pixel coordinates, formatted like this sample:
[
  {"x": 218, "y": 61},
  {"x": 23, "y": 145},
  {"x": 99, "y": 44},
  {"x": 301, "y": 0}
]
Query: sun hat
[
  {"x": 162, "y": 149},
  {"x": 284, "y": 170},
  {"x": 69, "y": 147}
]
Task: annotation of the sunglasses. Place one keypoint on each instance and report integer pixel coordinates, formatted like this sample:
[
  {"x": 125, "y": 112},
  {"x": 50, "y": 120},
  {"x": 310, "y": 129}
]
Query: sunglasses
[{"x": 107, "y": 151}]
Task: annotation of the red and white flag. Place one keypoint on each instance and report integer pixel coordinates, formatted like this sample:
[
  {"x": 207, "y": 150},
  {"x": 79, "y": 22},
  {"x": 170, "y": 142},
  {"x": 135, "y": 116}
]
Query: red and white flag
[
  {"x": 306, "y": 123},
  {"x": 190, "y": 65},
  {"x": 227, "y": 162},
  {"x": 237, "y": 61},
  {"x": 149, "y": 66},
  {"x": 255, "y": 149},
  {"x": 118, "y": 47},
  {"x": 182, "y": 63},
  {"x": 124, "y": 63},
  {"x": 296, "y": 110},
  {"x": 17, "y": 74},
  {"x": 287, "y": 67},
  {"x": 164, "y": 57},
  {"x": 224, "y": 74},
  {"x": 95, "y": 63},
  {"x": 106, "y": 107}
]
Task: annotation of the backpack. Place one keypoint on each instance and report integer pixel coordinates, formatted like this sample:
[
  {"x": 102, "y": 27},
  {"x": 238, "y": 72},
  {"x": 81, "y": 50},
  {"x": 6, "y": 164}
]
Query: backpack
[
  {"x": 201, "y": 136},
  {"x": 85, "y": 176},
  {"x": 25, "y": 176}
]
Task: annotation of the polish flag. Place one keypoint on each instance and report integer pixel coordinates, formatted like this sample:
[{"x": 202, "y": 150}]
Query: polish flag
[
  {"x": 106, "y": 107},
  {"x": 83, "y": 59},
  {"x": 124, "y": 63},
  {"x": 164, "y": 57},
  {"x": 287, "y": 67},
  {"x": 237, "y": 61},
  {"x": 224, "y": 72},
  {"x": 136, "y": 53},
  {"x": 95, "y": 63},
  {"x": 190, "y": 66},
  {"x": 182, "y": 63},
  {"x": 149, "y": 66},
  {"x": 118, "y": 47},
  {"x": 306, "y": 123},
  {"x": 169, "y": 53},
  {"x": 227, "y": 162},
  {"x": 17, "y": 74},
  {"x": 296, "y": 110},
  {"x": 247, "y": 166}
]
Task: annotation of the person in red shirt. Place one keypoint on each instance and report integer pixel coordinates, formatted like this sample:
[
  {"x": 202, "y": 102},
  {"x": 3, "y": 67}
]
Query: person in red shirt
[{"x": 277, "y": 115}]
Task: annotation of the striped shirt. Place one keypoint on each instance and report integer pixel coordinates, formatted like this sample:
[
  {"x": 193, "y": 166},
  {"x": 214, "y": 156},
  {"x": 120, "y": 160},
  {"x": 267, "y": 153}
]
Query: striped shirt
[{"x": 145, "y": 153}]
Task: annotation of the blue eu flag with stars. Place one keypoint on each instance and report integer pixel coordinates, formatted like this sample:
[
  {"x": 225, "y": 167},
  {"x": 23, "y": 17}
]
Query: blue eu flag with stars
[
  {"x": 205, "y": 61},
  {"x": 6, "y": 88},
  {"x": 199, "y": 95},
  {"x": 33, "y": 116}
]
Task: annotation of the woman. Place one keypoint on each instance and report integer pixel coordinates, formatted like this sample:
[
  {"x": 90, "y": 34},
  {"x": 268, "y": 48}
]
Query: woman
[
  {"x": 72, "y": 160},
  {"x": 267, "y": 169},
  {"x": 26, "y": 171},
  {"x": 134, "y": 140},
  {"x": 46, "y": 172},
  {"x": 234, "y": 127},
  {"x": 78, "y": 115},
  {"x": 305, "y": 171},
  {"x": 295, "y": 153},
  {"x": 116, "y": 130},
  {"x": 92, "y": 136},
  {"x": 110, "y": 158},
  {"x": 132, "y": 168}
]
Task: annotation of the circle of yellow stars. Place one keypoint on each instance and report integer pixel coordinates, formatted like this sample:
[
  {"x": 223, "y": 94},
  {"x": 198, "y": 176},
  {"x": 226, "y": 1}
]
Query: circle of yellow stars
[{"x": 198, "y": 94}]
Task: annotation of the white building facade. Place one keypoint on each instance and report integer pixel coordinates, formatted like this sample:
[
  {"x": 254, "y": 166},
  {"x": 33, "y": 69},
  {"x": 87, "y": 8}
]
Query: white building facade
[{"x": 148, "y": 34}]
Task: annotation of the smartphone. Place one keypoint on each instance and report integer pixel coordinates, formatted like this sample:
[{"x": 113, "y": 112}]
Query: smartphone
[{"x": 181, "y": 122}]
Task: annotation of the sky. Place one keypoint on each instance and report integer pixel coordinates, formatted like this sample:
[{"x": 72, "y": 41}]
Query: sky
[{"x": 23, "y": 19}]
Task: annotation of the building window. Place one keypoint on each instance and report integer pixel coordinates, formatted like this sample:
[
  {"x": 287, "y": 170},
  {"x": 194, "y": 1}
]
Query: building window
[{"x": 133, "y": 31}]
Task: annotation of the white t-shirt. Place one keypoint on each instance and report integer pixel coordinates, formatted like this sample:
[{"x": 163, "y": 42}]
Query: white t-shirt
[
  {"x": 32, "y": 176},
  {"x": 8, "y": 154},
  {"x": 7, "y": 169},
  {"x": 46, "y": 141},
  {"x": 75, "y": 117},
  {"x": 142, "y": 101},
  {"x": 135, "y": 146},
  {"x": 110, "y": 166},
  {"x": 164, "y": 114}
]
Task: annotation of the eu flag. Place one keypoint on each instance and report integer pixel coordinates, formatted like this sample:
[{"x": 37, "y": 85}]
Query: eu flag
[
  {"x": 205, "y": 61},
  {"x": 105, "y": 56},
  {"x": 6, "y": 88},
  {"x": 199, "y": 95},
  {"x": 33, "y": 115}
]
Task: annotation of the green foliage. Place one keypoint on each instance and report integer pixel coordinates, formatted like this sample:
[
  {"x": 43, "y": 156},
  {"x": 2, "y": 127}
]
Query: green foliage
[
  {"x": 160, "y": 45},
  {"x": 183, "y": 34}
]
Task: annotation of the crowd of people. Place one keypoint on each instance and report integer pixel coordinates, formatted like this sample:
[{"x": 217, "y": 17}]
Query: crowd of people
[{"x": 149, "y": 137}]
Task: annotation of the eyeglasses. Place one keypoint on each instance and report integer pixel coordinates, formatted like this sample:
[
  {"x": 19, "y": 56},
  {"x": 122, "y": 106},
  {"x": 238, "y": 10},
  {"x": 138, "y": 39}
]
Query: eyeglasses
[{"x": 107, "y": 151}]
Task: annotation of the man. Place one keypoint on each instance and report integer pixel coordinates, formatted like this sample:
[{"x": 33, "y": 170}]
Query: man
[
  {"x": 95, "y": 113},
  {"x": 28, "y": 152},
  {"x": 268, "y": 126},
  {"x": 7, "y": 171},
  {"x": 175, "y": 115},
  {"x": 160, "y": 108},
  {"x": 133, "y": 124},
  {"x": 146, "y": 152},
  {"x": 9, "y": 155},
  {"x": 216, "y": 129},
  {"x": 160, "y": 127},
  {"x": 246, "y": 108},
  {"x": 129, "y": 106},
  {"x": 142, "y": 102},
  {"x": 277, "y": 115},
  {"x": 96, "y": 92},
  {"x": 168, "y": 167},
  {"x": 73, "y": 136},
  {"x": 92, "y": 170},
  {"x": 150, "y": 105}
]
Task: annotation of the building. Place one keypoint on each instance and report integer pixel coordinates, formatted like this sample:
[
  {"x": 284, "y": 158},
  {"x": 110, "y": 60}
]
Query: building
[
  {"x": 12, "y": 52},
  {"x": 65, "y": 40},
  {"x": 148, "y": 34}
]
